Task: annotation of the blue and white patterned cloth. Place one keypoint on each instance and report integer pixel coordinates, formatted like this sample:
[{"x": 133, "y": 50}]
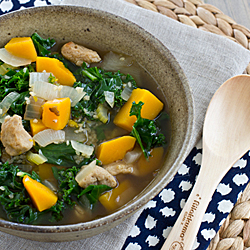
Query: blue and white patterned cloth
[{"x": 160, "y": 214}]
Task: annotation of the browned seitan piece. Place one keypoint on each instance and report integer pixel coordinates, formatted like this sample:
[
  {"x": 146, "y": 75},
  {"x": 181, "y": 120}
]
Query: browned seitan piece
[
  {"x": 79, "y": 54},
  {"x": 98, "y": 176},
  {"x": 119, "y": 167},
  {"x": 14, "y": 137}
]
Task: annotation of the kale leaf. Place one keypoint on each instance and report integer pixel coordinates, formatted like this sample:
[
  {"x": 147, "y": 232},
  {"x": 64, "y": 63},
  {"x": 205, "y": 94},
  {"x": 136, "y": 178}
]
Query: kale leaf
[
  {"x": 68, "y": 186},
  {"x": 13, "y": 196},
  {"x": 69, "y": 191},
  {"x": 18, "y": 81},
  {"x": 145, "y": 131},
  {"x": 42, "y": 46},
  {"x": 94, "y": 82},
  {"x": 61, "y": 155},
  {"x": 93, "y": 192}
]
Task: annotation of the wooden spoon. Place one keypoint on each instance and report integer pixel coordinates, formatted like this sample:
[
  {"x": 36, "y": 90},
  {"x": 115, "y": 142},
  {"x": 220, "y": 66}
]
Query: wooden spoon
[{"x": 226, "y": 138}]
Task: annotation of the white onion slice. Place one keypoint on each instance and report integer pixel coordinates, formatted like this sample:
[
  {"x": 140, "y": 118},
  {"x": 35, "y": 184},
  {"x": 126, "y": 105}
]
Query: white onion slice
[
  {"x": 34, "y": 108},
  {"x": 38, "y": 76},
  {"x": 110, "y": 98},
  {"x": 75, "y": 95},
  {"x": 115, "y": 62},
  {"x": 12, "y": 60},
  {"x": 84, "y": 149},
  {"x": 45, "y": 90},
  {"x": 49, "y": 136},
  {"x": 85, "y": 171},
  {"x": 127, "y": 91},
  {"x": 2, "y": 118},
  {"x": 125, "y": 64},
  {"x": 132, "y": 156},
  {"x": 7, "y": 101},
  {"x": 4, "y": 68}
]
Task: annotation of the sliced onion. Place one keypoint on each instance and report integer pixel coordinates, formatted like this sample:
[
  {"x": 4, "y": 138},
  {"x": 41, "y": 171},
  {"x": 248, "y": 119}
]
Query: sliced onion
[
  {"x": 36, "y": 158},
  {"x": 110, "y": 98},
  {"x": 2, "y": 118},
  {"x": 115, "y": 62},
  {"x": 12, "y": 60},
  {"x": 71, "y": 135},
  {"x": 45, "y": 90},
  {"x": 84, "y": 149},
  {"x": 75, "y": 95},
  {"x": 132, "y": 156},
  {"x": 85, "y": 171},
  {"x": 4, "y": 68},
  {"x": 7, "y": 101},
  {"x": 34, "y": 108},
  {"x": 49, "y": 136},
  {"x": 127, "y": 91},
  {"x": 102, "y": 113},
  {"x": 38, "y": 76},
  {"x": 125, "y": 64}
]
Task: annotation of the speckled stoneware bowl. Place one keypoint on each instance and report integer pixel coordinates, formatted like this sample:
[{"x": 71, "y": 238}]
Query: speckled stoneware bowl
[{"x": 108, "y": 32}]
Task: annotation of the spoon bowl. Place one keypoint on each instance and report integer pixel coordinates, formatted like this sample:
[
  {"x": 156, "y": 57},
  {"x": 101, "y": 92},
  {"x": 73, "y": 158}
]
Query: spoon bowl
[{"x": 226, "y": 138}]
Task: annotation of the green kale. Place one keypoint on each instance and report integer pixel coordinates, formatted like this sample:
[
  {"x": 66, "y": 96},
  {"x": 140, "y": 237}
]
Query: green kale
[
  {"x": 18, "y": 81},
  {"x": 95, "y": 82},
  {"x": 13, "y": 196},
  {"x": 70, "y": 192},
  {"x": 68, "y": 186},
  {"x": 61, "y": 155},
  {"x": 145, "y": 131},
  {"x": 93, "y": 192},
  {"x": 42, "y": 46}
]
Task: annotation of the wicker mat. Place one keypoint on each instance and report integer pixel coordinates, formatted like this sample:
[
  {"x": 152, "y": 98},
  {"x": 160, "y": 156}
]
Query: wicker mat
[{"x": 235, "y": 232}]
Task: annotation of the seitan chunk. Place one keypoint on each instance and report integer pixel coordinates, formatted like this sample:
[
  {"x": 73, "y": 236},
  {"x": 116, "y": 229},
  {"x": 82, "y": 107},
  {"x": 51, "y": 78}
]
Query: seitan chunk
[
  {"x": 14, "y": 137},
  {"x": 119, "y": 167},
  {"x": 79, "y": 54},
  {"x": 98, "y": 176}
]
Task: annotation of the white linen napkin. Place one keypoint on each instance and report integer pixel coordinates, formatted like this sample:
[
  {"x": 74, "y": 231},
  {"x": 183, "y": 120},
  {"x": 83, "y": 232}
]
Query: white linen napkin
[{"x": 207, "y": 60}]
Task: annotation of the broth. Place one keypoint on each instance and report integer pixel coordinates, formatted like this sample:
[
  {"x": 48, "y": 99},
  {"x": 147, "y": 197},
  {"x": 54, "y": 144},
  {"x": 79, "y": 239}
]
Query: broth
[{"x": 131, "y": 184}]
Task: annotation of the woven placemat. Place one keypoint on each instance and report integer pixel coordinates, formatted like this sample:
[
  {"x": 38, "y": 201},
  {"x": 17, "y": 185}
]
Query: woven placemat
[{"x": 235, "y": 231}]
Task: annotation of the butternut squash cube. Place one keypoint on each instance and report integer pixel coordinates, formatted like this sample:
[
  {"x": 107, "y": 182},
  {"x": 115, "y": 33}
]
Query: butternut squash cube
[
  {"x": 151, "y": 108},
  {"x": 22, "y": 47},
  {"x": 42, "y": 197},
  {"x": 57, "y": 68},
  {"x": 115, "y": 149},
  {"x": 118, "y": 196},
  {"x": 56, "y": 113},
  {"x": 154, "y": 161},
  {"x": 36, "y": 126}
]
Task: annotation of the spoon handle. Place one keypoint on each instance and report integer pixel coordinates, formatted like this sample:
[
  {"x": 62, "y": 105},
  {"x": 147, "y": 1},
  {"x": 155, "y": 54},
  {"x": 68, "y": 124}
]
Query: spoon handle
[{"x": 186, "y": 227}]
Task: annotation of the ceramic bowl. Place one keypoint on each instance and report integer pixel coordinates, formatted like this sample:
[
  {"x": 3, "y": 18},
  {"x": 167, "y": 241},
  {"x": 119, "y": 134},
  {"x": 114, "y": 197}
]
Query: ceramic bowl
[{"x": 108, "y": 32}]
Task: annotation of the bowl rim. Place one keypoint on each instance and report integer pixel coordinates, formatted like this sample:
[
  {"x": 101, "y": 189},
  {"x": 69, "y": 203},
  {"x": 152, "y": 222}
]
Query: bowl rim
[{"x": 135, "y": 206}]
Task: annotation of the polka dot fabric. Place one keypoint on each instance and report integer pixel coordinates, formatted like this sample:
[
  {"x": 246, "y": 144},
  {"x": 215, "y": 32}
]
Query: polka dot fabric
[{"x": 159, "y": 215}]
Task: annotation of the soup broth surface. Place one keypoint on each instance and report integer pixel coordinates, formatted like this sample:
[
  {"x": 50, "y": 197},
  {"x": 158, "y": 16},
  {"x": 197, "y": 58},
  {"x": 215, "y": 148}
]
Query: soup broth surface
[{"x": 93, "y": 132}]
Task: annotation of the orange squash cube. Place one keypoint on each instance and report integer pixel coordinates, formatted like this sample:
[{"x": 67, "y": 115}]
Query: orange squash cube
[
  {"x": 22, "y": 47},
  {"x": 115, "y": 149},
  {"x": 57, "y": 68},
  {"x": 36, "y": 126},
  {"x": 151, "y": 108},
  {"x": 118, "y": 196},
  {"x": 42, "y": 197},
  {"x": 56, "y": 113},
  {"x": 154, "y": 161}
]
